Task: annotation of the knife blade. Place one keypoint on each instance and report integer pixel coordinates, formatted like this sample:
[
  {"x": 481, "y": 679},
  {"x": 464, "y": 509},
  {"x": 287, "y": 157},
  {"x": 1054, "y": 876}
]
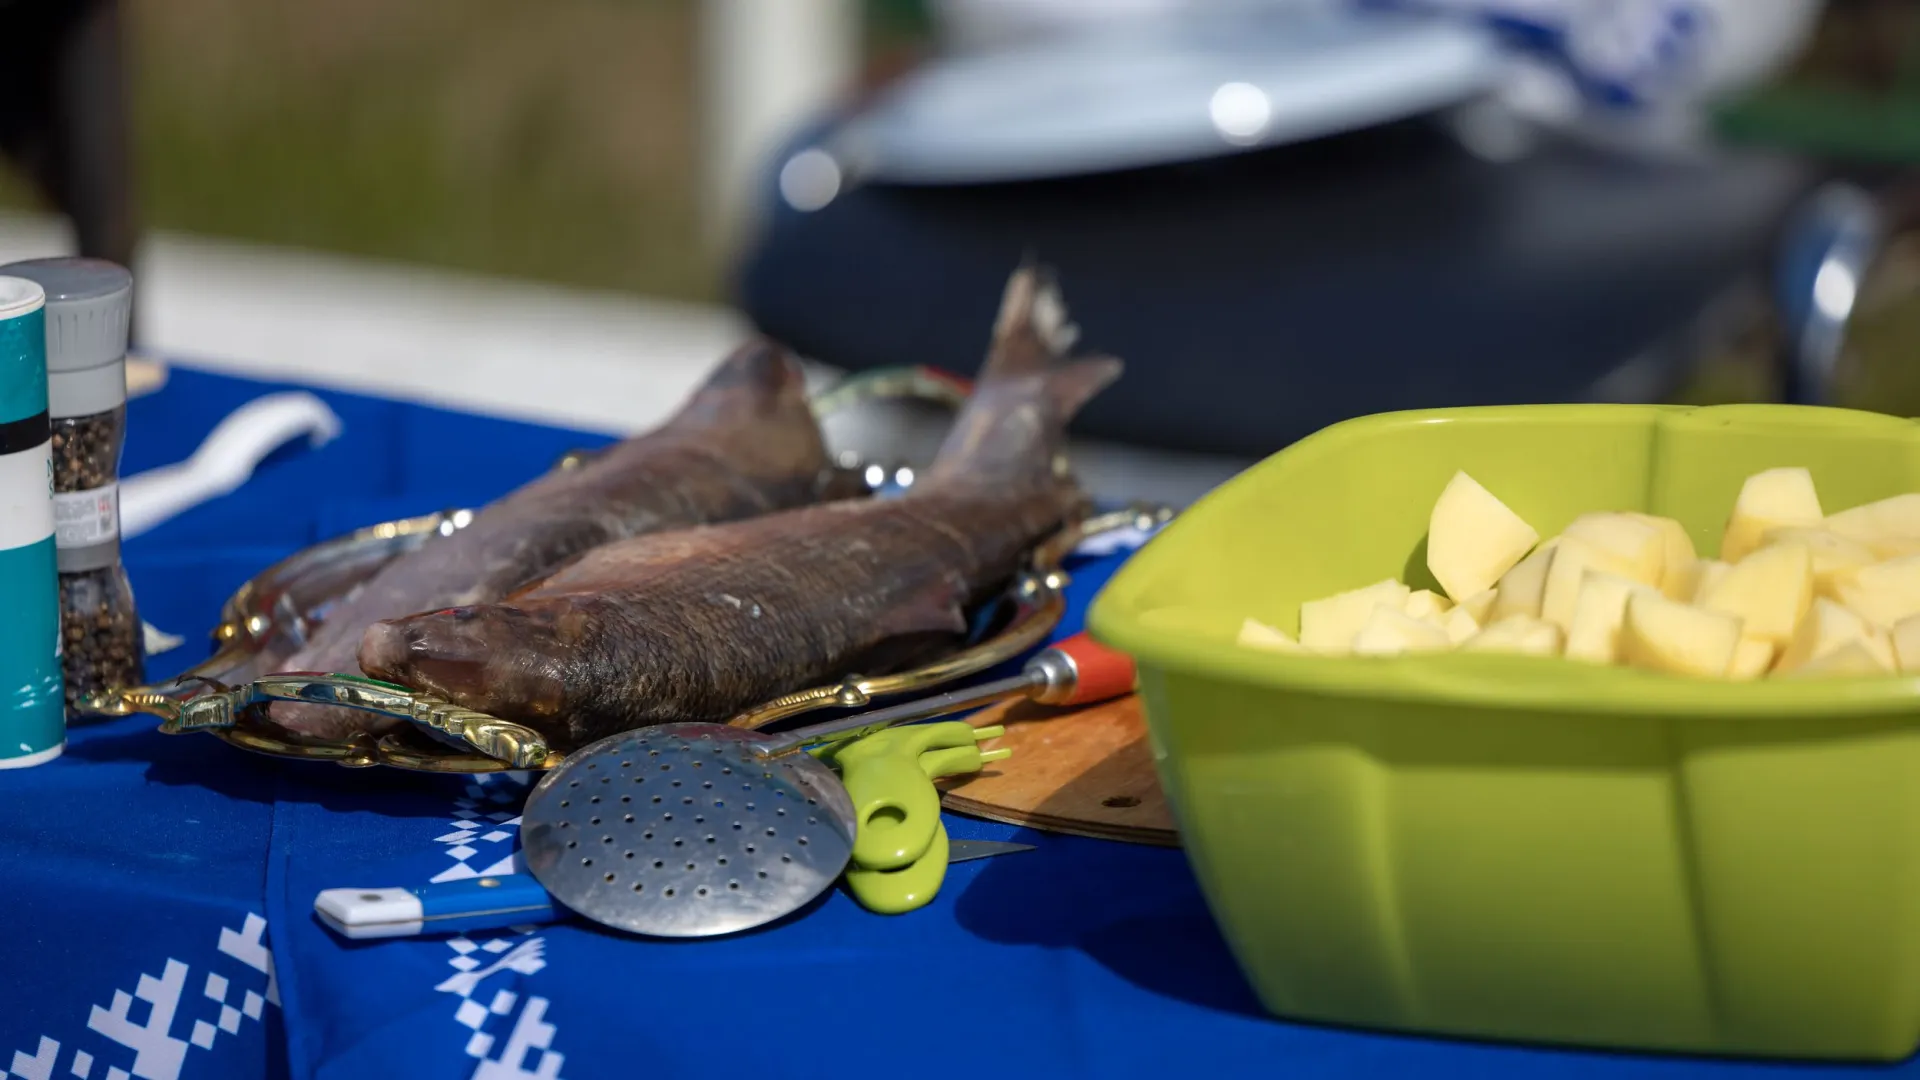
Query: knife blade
[{"x": 969, "y": 850}]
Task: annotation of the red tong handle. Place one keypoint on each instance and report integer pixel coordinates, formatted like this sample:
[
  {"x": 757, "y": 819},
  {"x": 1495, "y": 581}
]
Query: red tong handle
[{"x": 1102, "y": 673}]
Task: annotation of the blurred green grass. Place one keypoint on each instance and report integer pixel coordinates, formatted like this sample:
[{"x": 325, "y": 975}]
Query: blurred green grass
[
  {"x": 554, "y": 141},
  {"x": 551, "y": 140}
]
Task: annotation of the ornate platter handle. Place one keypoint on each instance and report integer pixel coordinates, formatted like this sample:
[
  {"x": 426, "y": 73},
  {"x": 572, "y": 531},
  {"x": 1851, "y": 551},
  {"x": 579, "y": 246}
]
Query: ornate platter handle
[{"x": 511, "y": 744}]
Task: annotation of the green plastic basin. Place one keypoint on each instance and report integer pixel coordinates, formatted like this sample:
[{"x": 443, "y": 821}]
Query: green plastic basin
[{"x": 1531, "y": 848}]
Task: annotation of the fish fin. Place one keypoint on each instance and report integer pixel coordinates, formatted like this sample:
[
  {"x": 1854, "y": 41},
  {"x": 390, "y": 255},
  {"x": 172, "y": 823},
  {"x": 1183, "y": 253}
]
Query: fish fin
[
  {"x": 1069, "y": 388},
  {"x": 1031, "y": 331},
  {"x": 759, "y": 378},
  {"x": 758, "y": 362}
]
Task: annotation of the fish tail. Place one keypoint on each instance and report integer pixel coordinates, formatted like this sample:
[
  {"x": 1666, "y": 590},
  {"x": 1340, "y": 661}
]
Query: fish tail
[
  {"x": 1014, "y": 426},
  {"x": 1031, "y": 332}
]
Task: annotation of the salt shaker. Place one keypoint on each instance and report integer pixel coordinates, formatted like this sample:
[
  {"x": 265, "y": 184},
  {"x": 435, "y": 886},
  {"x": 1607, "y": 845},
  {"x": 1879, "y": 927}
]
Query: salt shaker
[
  {"x": 32, "y": 718},
  {"x": 89, "y": 302}
]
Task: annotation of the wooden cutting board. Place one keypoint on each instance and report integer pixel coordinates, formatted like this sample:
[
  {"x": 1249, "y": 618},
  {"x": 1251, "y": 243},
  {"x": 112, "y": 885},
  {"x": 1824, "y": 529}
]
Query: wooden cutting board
[{"x": 1086, "y": 772}]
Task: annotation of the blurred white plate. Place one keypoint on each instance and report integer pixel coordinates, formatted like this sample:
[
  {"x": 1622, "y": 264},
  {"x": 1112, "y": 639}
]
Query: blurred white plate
[{"x": 1153, "y": 91}]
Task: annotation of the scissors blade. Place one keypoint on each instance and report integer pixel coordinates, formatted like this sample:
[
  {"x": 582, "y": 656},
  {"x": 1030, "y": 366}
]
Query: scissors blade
[{"x": 968, "y": 850}]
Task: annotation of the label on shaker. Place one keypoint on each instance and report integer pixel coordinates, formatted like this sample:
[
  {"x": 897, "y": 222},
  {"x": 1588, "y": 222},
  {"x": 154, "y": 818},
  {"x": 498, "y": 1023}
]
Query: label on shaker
[{"x": 85, "y": 518}]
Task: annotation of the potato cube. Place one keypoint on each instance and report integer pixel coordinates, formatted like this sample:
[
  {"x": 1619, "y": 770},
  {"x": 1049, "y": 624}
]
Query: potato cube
[
  {"x": 1328, "y": 625},
  {"x": 1751, "y": 658},
  {"x": 1459, "y": 624},
  {"x": 1521, "y": 588},
  {"x": 1906, "y": 644},
  {"x": 1853, "y": 658},
  {"x": 1676, "y": 580},
  {"x": 1594, "y": 635},
  {"x": 1834, "y": 556},
  {"x": 1427, "y": 604},
  {"x": 1255, "y": 634},
  {"x": 1826, "y": 627},
  {"x": 1772, "y": 499},
  {"x": 1632, "y": 539},
  {"x": 1665, "y": 635},
  {"x": 1770, "y": 589},
  {"x": 1390, "y": 632},
  {"x": 1891, "y": 527},
  {"x": 1473, "y": 538},
  {"x": 1480, "y": 604},
  {"x": 1520, "y": 634},
  {"x": 1895, "y": 547},
  {"x": 1883, "y": 593},
  {"x": 1571, "y": 561}
]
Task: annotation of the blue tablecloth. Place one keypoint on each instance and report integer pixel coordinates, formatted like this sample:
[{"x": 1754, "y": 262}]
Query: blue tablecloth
[{"x": 156, "y": 893}]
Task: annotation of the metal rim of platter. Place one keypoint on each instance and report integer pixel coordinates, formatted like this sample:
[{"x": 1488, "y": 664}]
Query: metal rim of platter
[{"x": 280, "y": 604}]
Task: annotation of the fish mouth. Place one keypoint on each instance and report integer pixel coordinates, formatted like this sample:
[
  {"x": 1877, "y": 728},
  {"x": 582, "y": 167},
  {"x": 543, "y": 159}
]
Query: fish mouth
[
  {"x": 449, "y": 665},
  {"x": 478, "y": 659}
]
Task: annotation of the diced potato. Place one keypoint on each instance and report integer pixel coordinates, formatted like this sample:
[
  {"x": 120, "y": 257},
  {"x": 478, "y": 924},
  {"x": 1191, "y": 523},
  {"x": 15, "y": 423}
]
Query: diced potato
[
  {"x": 1328, "y": 625},
  {"x": 1473, "y": 538},
  {"x": 1664, "y": 635},
  {"x": 1769, "y": 589},
  {"x": 1459, "y": 624},
  {"x": 1751, "y": 658},
  {"x": 1522, "y": 587},
  {"x": 1571, "y": 561},
  {"x": 1853, "y": 658},
  {"x": 1906, "y": 644},
  {"x": 1883, "y": 593},
  {"x": 1255, "y": 634},
  {"x": 1522, "y": 634},
  {"x": 1594, "y": 635},
  {"x": 1706, "y": 574},
  {"x": 1427, "y": 604},
  {"x": 1676, "y": 581},
  {"x": 1833, "y": 555},
  {"x": 1772, "y": 499},
  {"x": 1895, "y": 547},
  {"x": 1632, "y": 539},
  {"x": 1390, "y": 632},
  {"x": 1480, "y": 604},
  {"x": 1826, "y": 627},
  {"x": 1891, "y": 527},
  {"x": 1793, "y": 593}
]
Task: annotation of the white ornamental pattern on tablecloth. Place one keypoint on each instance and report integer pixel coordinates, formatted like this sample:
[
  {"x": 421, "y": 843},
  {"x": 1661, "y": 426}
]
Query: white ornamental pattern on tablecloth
[
  {"x": 486, "y": 818},
  {"x": 510, "y": 1037},
  {"x": 134, "y": 1034}
]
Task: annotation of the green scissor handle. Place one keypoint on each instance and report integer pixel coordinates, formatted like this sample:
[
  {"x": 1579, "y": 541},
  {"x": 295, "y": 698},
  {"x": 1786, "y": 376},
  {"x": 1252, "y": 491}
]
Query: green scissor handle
[
  {"x": 902, "y": 801},
  {"x": 895, "y": 806},
  {"x": 896, "y": 892}
]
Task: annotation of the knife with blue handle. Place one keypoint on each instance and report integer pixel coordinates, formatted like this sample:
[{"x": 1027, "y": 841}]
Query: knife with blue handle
[
  {"x": 492, "y": 902},
  {"x": 483, "y": 903}
]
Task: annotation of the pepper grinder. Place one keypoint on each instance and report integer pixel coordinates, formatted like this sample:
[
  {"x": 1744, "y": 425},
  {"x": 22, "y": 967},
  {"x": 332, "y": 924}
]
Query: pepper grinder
[{"x": 89, "y": 304}]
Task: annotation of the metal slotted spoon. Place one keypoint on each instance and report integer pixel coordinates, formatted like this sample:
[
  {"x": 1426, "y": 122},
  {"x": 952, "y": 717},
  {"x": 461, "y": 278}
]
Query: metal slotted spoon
[{"x": 687, "y": 830}]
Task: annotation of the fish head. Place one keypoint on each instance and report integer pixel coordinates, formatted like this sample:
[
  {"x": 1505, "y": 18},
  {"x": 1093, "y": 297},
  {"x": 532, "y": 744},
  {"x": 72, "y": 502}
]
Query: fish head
[{"x": 492, "y": 658}]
